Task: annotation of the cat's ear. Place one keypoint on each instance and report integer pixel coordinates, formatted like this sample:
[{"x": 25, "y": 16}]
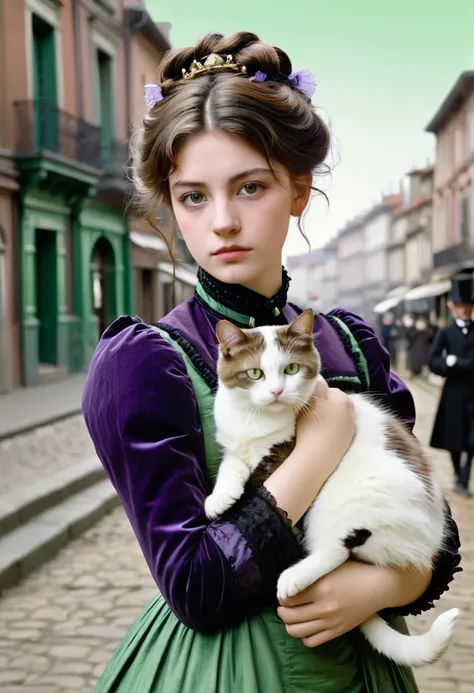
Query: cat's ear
[
  {"x": 229, "y": 335},
  {"x": 303, "y": 325}
]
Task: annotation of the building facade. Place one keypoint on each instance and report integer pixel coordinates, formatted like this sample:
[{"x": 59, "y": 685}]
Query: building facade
[
  {"x": 157, "y": 288},
  {"x": 453, "y": 197},
  {"x": 63, "y": 136},
  {"x": 377, "y": 229},
  {"x": 329, "y": 283},
  {"x": 351, "y": 266}
]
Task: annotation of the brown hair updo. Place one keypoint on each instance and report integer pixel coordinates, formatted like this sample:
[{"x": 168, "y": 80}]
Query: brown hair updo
[{"x": 272, "y": 116}]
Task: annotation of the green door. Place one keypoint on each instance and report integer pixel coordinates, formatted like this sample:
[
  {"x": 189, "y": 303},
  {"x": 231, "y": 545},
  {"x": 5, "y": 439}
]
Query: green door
[
  {"x": 45, "y": 86},
  {"x": 47, "y": 296},
  {"x": 103, "y": 277}
]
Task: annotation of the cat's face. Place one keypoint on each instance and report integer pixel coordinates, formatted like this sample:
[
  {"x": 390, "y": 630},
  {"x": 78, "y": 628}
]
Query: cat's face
[{"x": 275, "y": 367}]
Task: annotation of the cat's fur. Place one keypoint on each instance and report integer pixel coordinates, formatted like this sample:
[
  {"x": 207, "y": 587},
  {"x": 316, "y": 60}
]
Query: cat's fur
[{"x": 382, "y": 505}]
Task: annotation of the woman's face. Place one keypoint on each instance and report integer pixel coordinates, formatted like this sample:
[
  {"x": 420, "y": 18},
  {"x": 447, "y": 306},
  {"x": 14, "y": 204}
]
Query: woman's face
[{"x": 233, "y": 214}]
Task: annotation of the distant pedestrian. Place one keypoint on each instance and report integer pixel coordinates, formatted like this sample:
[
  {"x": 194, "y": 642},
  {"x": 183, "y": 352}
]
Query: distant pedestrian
[
  {"x": 452, "y": 356},
  {"x": 417, "y": 339},
  {"x": 389, "y": 334}
]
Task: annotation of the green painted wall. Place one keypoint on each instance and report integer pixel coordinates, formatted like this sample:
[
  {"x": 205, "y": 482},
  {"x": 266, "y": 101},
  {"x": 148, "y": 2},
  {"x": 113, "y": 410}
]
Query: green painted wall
[
  {"x": 95, "y": 223},
  {"x": 44, "y": 323}
]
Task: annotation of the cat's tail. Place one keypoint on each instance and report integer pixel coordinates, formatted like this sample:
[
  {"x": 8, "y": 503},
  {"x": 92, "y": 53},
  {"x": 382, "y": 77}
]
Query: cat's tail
[{"x": 411, "y": 650}]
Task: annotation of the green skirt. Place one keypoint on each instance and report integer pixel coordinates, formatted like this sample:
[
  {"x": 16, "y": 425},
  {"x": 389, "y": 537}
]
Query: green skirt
[{"x": 161, "y": 655}]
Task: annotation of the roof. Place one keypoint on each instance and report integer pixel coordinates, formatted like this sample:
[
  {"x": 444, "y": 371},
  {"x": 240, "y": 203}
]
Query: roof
[
  {"x": 454, "y": 101},
  {"x": 314, "y": 257},
  {"x": 356, "y": 224},
  {"x": 387, "y": 204},
  {"x": 139, "y": 20},
  {"x": 423, "y": 172}
]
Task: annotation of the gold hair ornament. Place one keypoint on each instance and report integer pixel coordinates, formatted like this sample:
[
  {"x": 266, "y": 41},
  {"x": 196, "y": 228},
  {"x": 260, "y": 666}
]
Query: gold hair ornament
[{"x": 213, "y": 63}]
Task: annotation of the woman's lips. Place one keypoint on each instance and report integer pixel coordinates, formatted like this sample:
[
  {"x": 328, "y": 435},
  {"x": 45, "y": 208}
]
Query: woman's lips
[{"x": 231, "y": 253}]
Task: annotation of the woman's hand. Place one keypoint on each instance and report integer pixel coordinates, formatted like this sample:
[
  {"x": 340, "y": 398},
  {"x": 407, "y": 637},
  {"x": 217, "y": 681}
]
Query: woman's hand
[
  {"x": 345, "y": 598},
  {"x": 326, "y": 427}
]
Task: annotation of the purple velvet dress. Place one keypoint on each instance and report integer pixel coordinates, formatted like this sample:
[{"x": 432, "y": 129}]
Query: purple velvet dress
[{"x": 216, "y": 577}]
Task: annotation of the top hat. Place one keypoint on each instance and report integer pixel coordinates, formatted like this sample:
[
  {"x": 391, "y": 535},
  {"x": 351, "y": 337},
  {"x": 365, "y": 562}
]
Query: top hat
[{"x": 462, "y": 289}]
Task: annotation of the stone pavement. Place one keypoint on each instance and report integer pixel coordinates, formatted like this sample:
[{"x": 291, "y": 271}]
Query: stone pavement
[
  {"x": 28, "y": 408},
  {"x": 40, "y": 453},
  {"x": 59, "y": 627},
  {"x": 455, "y": 670}
]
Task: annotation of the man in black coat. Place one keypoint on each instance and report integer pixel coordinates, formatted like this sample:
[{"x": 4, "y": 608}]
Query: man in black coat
[{"x": 452, "y": 356}]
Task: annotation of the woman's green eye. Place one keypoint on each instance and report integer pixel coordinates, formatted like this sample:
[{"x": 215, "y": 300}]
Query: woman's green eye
[
  {"x": 254, "y": 373},
  {"x": 193, "y": 199},
  {"x": 292, "y": 369},
  {"x": 251, "y": 188}
]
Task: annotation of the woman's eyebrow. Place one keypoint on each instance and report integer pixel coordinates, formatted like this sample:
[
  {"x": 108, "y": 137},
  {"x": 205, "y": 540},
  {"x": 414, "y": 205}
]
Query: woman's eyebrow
[{"x": 238, "y": 176}]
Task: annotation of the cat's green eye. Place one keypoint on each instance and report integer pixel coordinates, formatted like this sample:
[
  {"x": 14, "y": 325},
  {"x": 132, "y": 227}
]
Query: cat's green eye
[
  {"x": 254, "y": 373},
  {"x": 292, "y": 369}
]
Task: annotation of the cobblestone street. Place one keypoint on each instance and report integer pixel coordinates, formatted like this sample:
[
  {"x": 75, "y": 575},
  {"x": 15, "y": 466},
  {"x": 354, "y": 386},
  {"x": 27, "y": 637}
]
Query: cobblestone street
[
  {"x": 59, "y": 627},
  {"x": 43, "y": 451}
]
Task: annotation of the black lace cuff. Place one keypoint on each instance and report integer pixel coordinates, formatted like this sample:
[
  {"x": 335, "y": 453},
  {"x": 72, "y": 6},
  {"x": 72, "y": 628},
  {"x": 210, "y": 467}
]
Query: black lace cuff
[
  {"x": 446, "y": 565},
  {"x": 275, "y": 544}
]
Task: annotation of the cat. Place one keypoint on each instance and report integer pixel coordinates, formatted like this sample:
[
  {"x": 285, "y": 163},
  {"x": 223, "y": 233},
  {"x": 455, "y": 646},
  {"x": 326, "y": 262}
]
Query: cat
[{"x": 382, "y": 504}]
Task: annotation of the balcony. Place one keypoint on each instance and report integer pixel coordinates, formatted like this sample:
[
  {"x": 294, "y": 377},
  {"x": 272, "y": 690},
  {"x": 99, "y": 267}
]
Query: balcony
[
  {"x": 455, "y": 256},
  {"x": 114, "y": 184},
  {"x": 43, "y": 129}
]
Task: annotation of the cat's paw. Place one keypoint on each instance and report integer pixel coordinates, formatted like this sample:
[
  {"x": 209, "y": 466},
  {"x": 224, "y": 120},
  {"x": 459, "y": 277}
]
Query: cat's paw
[
  {"x": 290, "y": 583},
  {"x": 216, "y": 504}
]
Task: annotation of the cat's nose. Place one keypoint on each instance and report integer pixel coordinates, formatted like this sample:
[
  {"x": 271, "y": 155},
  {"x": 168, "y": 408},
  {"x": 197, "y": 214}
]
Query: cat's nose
[{"x": 276, "y": 393}]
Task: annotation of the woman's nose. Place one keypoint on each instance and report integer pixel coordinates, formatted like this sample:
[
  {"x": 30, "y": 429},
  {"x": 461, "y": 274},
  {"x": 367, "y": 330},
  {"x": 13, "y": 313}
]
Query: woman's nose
[{"x": 226, "y": 222}]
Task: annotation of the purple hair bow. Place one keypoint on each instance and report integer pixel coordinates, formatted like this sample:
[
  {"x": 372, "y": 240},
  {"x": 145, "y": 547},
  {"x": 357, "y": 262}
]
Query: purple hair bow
[
  {"x": 303, "y": 80},
  {"x": 153, "y": 94}
]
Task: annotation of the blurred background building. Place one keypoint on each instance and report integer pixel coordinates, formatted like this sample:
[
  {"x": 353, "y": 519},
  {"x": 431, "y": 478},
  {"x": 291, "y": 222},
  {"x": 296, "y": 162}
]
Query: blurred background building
[
  {"x": 393, "y": 263},
  {"x": 74, "y": 253}
]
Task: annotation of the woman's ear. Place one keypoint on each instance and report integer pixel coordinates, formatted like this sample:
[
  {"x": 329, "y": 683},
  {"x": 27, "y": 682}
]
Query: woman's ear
[{"x": 301, "y": 192}]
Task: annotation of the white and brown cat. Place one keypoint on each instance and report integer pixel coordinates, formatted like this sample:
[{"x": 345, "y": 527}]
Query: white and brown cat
[{"x": 382, "y": 505}]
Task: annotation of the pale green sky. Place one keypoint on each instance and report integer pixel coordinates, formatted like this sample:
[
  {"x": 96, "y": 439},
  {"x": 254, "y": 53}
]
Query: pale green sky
[{"x": 382, "y": 68}]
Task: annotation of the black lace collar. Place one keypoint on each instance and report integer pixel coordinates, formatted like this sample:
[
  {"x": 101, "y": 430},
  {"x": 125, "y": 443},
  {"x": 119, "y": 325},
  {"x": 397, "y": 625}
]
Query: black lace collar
[{"x": 254, "y": 308}]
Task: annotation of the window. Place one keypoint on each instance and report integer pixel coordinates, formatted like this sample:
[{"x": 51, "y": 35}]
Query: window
[
  {"x": 105, "y": 104},
  {"x": 110, "y": 5},
  {"x": 44, "y": 61},
  {"x": 471, "y": 129},
  {"x": 45, "y": 97},
  {"x": 465, "y": 216},
  {"x": 459, "y": 153},
  {"x": 3, "y": 289}
]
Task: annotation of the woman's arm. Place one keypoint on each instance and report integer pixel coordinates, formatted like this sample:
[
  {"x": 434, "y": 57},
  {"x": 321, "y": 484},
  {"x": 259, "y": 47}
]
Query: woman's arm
[{"x": 328, "y": 428}]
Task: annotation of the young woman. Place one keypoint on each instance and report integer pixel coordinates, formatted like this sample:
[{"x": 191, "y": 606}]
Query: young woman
[{"x": 230, "y": 144}]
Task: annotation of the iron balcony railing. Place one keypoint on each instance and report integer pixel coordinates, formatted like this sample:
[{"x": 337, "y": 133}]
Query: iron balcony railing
[
  {"x": 114, "y": 157},
  {"x": 44, "y": 128}
]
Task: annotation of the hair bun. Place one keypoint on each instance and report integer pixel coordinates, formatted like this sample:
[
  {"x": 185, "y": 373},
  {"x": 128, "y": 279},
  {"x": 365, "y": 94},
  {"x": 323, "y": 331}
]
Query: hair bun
[{"x": 246, "y": 49}]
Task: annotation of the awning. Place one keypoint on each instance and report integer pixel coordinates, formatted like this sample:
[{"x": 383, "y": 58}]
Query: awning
[
  {"x": 429, "y": 290},
  {"x": 148, "y": 241},
  {"x": 386, "y": 305},
  {"x": 398, "y": 292},
  {"x": 182, "y": 274}
]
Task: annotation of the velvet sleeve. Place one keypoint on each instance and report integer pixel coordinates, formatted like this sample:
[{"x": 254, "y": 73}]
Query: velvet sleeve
[
  {"x": 374, "y": 367},
  {"x": 391, "y": 390},
  {"x": 141, "y": 412}
]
